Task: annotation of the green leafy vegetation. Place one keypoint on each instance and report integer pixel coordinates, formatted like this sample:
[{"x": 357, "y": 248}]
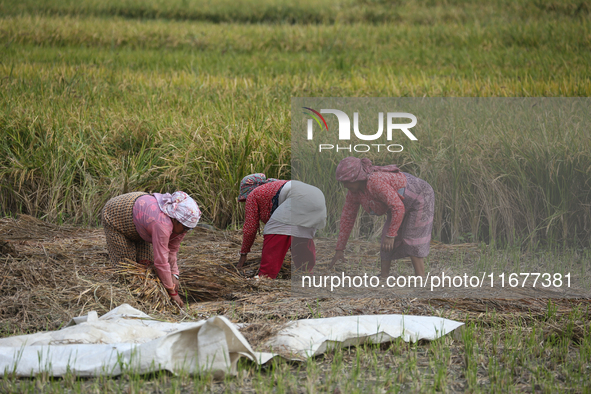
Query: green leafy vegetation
[{"x": 94, "y": 104}]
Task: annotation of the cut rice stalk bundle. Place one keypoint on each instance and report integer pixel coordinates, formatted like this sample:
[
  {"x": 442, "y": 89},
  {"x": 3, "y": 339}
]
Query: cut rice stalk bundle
[
  {"x": 200, "y": 281},
  {"x": 206, "y": 280},
  {"x": 143, "y": 283}
]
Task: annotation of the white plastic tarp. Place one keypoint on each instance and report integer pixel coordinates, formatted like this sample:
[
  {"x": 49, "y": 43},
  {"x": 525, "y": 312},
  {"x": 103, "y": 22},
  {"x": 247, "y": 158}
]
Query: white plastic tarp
[
  {"x": 126, "y": 339},
  {"x": 311, "y": 337}
]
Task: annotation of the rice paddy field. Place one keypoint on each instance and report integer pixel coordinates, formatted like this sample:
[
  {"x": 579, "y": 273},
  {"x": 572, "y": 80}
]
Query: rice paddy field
[{"x": 98, "y": 98}]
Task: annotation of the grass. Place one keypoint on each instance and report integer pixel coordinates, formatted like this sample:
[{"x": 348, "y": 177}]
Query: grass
[
  {"x": 503, "y": 170},
  {"x": 307, "y": 12},
  {"x": 472, "y": 271},
  {"x": 510, "y": 267},
  {"x": 93, "y": 106}
]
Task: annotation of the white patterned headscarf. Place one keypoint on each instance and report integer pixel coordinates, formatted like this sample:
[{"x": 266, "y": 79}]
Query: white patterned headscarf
[{"x": 179, "y": 206}]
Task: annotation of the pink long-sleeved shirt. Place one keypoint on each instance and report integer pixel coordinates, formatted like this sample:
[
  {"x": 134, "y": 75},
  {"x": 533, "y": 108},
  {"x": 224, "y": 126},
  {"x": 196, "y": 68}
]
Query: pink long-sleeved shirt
[
  {"x": 155, "y": 227},
  {"x": 379, "y": 197}
]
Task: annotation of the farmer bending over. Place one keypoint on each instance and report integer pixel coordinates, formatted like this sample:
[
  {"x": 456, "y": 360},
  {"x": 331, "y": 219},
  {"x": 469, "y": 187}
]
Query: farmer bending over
[
  {"x": 132, "y": 221},
  {"x": 292, "y": 212},
  {"x": 407, "y": 200}
]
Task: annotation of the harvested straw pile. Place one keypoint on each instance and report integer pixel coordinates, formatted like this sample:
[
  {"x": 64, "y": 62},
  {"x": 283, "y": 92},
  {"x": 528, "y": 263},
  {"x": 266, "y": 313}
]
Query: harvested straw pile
[
  {"x": 50, "y": 274},
  {"x": 207, "y": 280},
  {"x": 200, "y": 281},
  {"x": 207, "y": 272},
  {"x": 143, "y": 283}
]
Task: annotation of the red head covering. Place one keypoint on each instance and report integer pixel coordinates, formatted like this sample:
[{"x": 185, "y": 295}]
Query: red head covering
[{"x": 353, "y": 169}]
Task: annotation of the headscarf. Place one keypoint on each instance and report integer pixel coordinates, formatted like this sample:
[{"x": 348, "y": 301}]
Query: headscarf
[
  {"x": 353, "y": 169},
  {"x": 251, "y": 182},
  {"x": 179, "y": 206}
]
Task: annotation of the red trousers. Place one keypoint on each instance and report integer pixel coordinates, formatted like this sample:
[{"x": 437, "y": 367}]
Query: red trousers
[{"x": 275, "y": 246}]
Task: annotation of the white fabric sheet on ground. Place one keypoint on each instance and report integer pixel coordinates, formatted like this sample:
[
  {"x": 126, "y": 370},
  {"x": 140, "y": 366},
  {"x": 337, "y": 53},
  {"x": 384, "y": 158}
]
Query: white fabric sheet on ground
[
  {"x": 126, "y": 339},
  {"x": 311, "y": 337}
]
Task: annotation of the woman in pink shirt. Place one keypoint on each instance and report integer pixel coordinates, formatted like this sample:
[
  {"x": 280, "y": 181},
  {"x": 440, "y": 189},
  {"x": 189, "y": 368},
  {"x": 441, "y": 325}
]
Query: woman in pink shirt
[
  {"x": 133, "y": 221},
  {"x": 407, "y": 201}
]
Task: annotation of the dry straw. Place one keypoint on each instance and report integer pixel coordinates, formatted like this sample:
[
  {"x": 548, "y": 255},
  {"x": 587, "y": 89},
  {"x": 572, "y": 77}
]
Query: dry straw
[{"x": 63, "y": 272}]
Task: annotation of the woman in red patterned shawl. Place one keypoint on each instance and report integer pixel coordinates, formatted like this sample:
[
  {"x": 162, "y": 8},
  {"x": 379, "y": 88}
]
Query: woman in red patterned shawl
[
  {"x": 292, "y": 212},
  {"x": 407, "y": 201}
]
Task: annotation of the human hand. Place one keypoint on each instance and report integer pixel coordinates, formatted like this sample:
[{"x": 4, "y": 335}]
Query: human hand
[
  {"x": 338, "y": 255},
  {"x": 241, "y": 261},
  {"x": 388, "y": 244},
  {"x": 176, "y": 283},
  {"x": 176, "y": 298}
]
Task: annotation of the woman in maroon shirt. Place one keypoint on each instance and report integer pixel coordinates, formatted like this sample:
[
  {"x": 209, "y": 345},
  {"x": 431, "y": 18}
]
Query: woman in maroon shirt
[
  {"x": 292, "y": 212},
  {"x": 407, "y": 201}
]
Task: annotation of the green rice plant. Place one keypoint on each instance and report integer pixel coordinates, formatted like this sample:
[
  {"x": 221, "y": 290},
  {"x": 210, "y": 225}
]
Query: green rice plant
[
  {"x": 326, "y": 11},
  {"x": 100, "y": 98},
  {"x": 531, "y": 353}
]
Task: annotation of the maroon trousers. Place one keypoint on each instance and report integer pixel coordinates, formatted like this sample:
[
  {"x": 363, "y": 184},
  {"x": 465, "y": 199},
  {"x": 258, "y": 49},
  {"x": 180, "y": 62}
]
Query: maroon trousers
[{"x": 275, "y": 246}]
